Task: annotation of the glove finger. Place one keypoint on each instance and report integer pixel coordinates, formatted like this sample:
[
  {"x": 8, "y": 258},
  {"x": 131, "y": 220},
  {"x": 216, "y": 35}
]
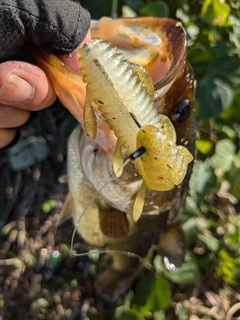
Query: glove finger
[{"x": 58, "y": 26}]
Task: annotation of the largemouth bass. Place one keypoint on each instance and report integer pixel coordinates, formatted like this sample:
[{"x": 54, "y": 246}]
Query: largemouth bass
[{"x": 159, "y": 45}]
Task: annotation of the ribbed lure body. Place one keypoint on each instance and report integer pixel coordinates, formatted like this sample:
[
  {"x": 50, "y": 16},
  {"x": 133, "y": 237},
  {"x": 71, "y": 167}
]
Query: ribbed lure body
[{"x": 124, "y": 94}]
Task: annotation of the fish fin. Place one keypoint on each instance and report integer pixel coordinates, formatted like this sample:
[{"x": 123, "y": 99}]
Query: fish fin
[
  {"x": 90, "y": 121},
  {"x": 172, "y": 247},
  {"x": 139, "y": 202},
  {"x": 113, "y": 223},
  {"x": 67, "y": 210},
  {"x": 113, "y": 283},
  {"x": 118, "y": 159},
  {"x": 67, "y": 84}
]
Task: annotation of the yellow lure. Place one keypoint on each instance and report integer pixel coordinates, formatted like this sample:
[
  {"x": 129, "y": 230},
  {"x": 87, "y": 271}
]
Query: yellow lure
[{"x": 122, "y": 91}]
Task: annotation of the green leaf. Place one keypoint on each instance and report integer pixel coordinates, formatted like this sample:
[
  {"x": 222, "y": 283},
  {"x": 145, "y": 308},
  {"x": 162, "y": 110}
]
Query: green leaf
[
  {"x": 211, "y": 243},
  {"x": 18, "y": 263},
  {"x": 92, "y": 315},
  {"x": 159, "y": 315},
  {"x": 93, "y": 255},
  {"x": 214, "y": 96},
  {"x": 237, "y": 160},
  {"x": 98, "y": 9},
  {"x": 234, "y": 36},
  {"x": 200, "y": 176},
  {"x": 155, "y": 9},
  {"x": 152, "y": 293},
  {"x": 41, "y": 302},
  {"x": 30, "y": 260},
  {"x": 204, "y": 146},
  {"x": 73, "y": 283},
  {"x": 198, "y": 54},
  {"x": 223, "y": 156},
  {"x": 234, "y": 181},
  {"x": 188, "y": 274},
  {"x": 130, "y": 314},
  {"x": 47, "y": 206},
  {"x": 192, "y": 227},
  {"x": 55, "y": 258},
  {"x": 215, "y": 12},
  {"x": 181, "y": 312},
  {"x": 222, "y": 93}
]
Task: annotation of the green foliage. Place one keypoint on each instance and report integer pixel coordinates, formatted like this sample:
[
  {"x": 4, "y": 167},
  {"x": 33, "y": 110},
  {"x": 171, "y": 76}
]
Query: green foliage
[
  {"x": 215, "y": 12},
  {"x": 211, "y": 217},
  {"x": 152, "y": 293},
  {"x": 224, "y": 154},
  {"x": 47, "y": 206},
  {"x": 41, "y": 302},
  {"x": 155, "y": 9},
  {"x": 151, "y": 297},
  {"x": 187, "y": 274},
  {"x": 129, "y": 314}
]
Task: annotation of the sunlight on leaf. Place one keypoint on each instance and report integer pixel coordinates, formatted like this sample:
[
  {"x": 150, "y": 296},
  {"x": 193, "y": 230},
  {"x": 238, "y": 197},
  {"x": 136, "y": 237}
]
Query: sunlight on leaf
[
  {"x": 234, "y": 180},
  {"x": 215, "y": 12},
  {"x": 41, "y": 302},
  {"x": 93, "y": 255},
  {"x": 200, "y": 176},
  {"x": 47, "y": 206},
  {"x": 129, "y": 314},
  {"x": 211, "y": 242},
  {"x": 189, "y": 272},
  {"x": 224, "y": 155},
  {"x": 204, "y": 146},
  {"x": 152, "y": 293},
  {"x": 236, "y": 160},
  {"x": 159, "y": 315}
]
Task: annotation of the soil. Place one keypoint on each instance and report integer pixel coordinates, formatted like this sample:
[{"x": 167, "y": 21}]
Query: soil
[{"x": 39, "y": 278}]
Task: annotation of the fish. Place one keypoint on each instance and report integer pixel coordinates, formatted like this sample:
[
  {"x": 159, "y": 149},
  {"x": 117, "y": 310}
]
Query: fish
[
  {"x": 101, "y": 198},
  {"x": 124, "y": 94}
]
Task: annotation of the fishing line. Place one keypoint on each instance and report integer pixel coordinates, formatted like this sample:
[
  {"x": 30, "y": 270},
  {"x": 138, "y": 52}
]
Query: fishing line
[
  {"x": 91, "y": 201},
  {"x": 124, "y": 253},
  {"x": 132, "y": 157}
]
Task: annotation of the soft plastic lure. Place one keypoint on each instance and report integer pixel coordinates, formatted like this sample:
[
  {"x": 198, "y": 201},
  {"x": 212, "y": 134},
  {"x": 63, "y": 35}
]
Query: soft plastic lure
[{"x": 124, "y": 94}]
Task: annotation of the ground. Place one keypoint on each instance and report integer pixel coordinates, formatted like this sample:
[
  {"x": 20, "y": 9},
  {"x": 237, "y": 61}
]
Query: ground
[{"x": 39, "y": 279}]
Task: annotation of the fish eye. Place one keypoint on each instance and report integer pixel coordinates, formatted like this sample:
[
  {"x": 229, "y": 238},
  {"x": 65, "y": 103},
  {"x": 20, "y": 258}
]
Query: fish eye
[{"x": 181, "y": 111}]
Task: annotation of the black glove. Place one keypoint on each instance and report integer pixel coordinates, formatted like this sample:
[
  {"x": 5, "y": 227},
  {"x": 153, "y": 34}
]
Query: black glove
[{"x": 57, "y": 25}]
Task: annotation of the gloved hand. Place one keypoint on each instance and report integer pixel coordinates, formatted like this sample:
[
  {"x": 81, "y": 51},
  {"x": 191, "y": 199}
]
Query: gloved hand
[{"x": 60, "y": 26}]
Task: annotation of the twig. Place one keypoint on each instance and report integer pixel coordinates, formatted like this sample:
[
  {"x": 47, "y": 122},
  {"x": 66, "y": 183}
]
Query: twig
[{"x": 232, "y": 310}]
